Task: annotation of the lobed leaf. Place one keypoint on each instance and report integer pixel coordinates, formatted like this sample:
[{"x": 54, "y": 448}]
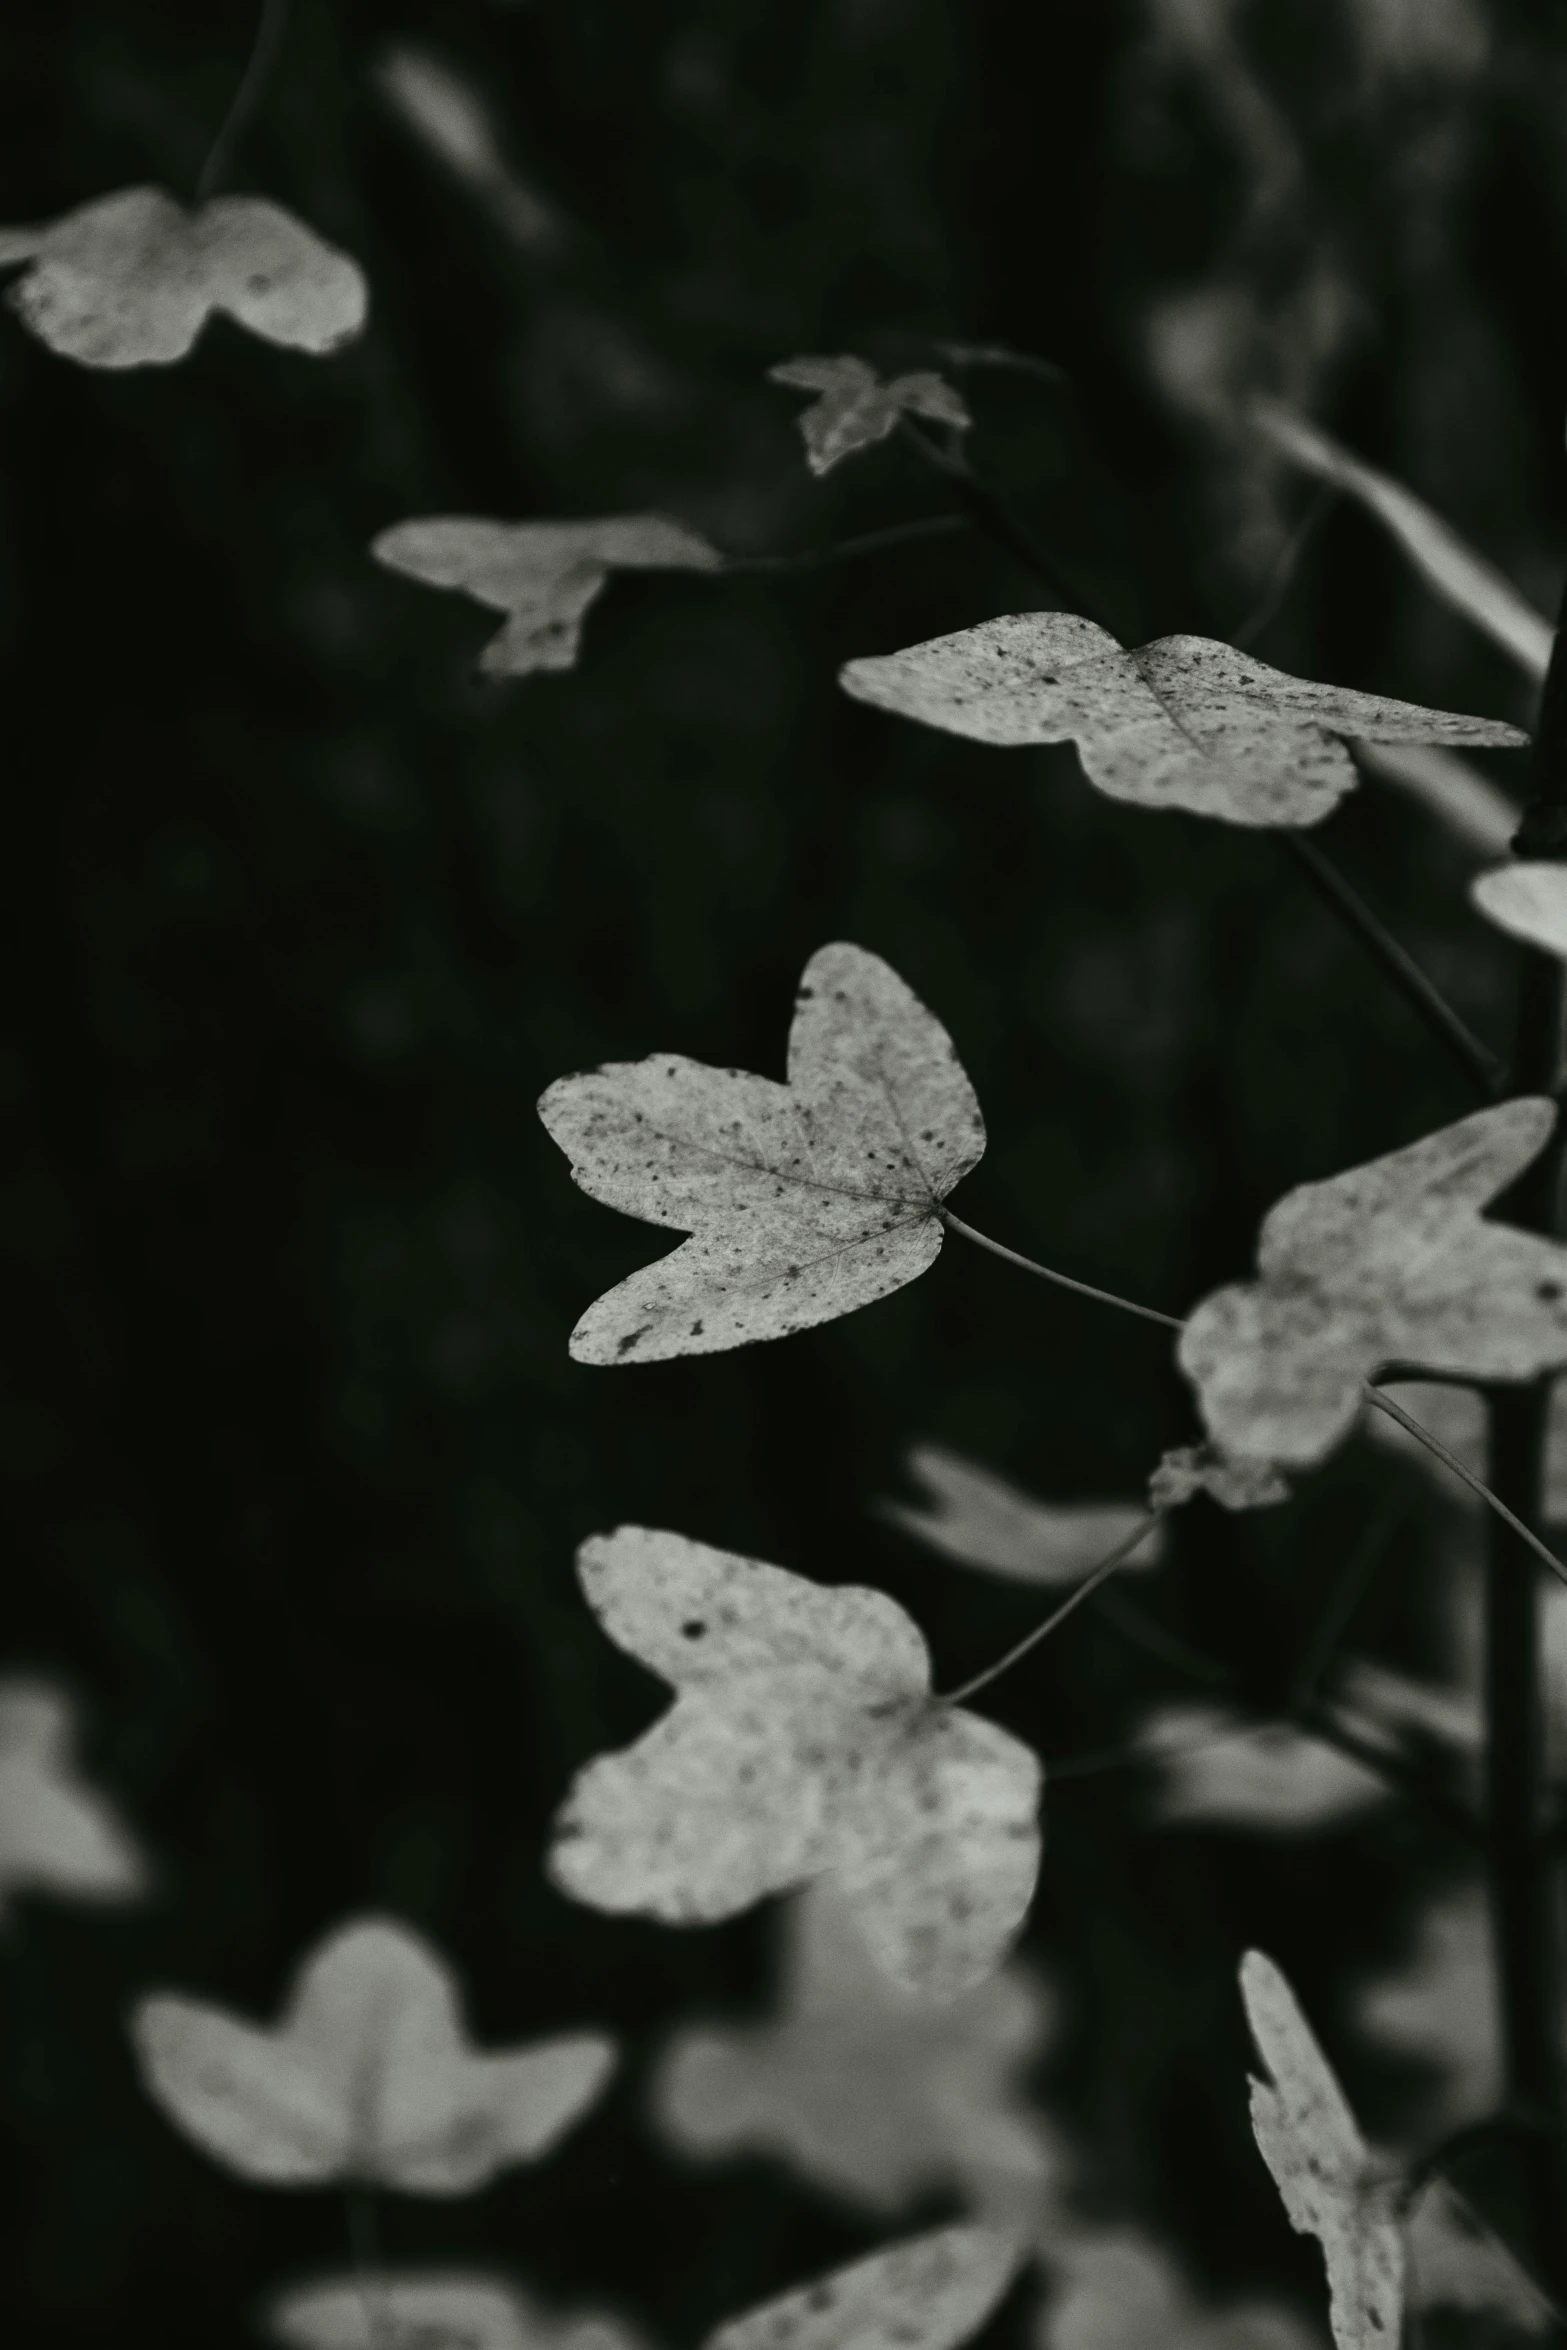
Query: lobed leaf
[
  {"x": 57, "y": 1834},
  {"x": 981, "y": 1520},
  {"x": 863, "y": 2089},
  {"x": 804, "y": 1200},
  {"x": 928, "y": 2293},
  {"x": 854, "y": 407},
  {"x": 369, "y": 2076},
  {"x": 433, "y": 2309},
  {"x": 1390, "y": 1263},
  {"x": 131, "y": 279},
  {"x": 1328, "y": 2183},
  {"x": 1184, "y": 722},
  {"x": 542, "y": 575},
  {"x": 804, "y": 1742}
]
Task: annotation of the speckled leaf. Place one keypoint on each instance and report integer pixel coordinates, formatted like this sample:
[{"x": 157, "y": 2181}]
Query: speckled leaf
[
  {"x": 1218, "y": 1770},
  {"x": 57, "y": 1835},
  {"x": 972, "y": 1515},
  {"x": 804, "y": 1200},
  {"x": 804, "y": 1742},
  {"x": 1117, "y": 2290},
  {"x": 542, "y": 575},
  {"x": 1528, "y": 900},
  {"x": 928, "y": 2293},
  {"x": 865, "y": 2090},
  {"x": 1459, "y": 2264},
  {"x": 1184, "y": 722},
  {"x": 368, "y": 2077},
  {"x": 1328, "y": 2181},
  {"x": 855, "y": 408},
  {"x": 1202, "y": 1468},
  {"x": 131, "y": 279},
  {"x": 1391, "y": 1263},
  {"x": 432, "y": 2309}
]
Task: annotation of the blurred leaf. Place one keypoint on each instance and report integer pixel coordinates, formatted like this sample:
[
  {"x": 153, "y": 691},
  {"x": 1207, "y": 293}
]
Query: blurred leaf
[
  {"x": 1184, "y": 722},
  {"x": 972, "y": 1515},
  {"x": 1120, "y": 2291},
  {"x": 804, "y": 1742},
  {"x": 856, "y": 408},
  {"x": 1456, "y": 2262},
  {"x": 928, "y": 2293},
  {"x": 1528, "y": 901},
  {"x": 385, "y": 2309},
  {"x": 1467, "y": 804},
  {"x": 803, "y": 1200},
  {"x": 368, "y": 2078},
  {"x": 866, "y": 2091},
  {"x": 1222, "y": 1771},
  {"x": 57, "y": 1835},
  {"x": 1389, "y": 1263},
  {"x": 1438, "y": 2009},
  {"x": 131, "y": 279}
]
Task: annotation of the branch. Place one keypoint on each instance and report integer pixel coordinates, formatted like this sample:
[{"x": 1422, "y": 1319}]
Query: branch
[{"x": 246, "y": 99}]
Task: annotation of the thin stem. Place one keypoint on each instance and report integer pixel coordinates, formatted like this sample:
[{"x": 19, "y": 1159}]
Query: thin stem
[
  {"x": 1493, "y": 1501},
  {"x": 1349, "y": 1588},
  {"x": 1266, "y": 608},
  {"x": 1105, "y": 1297},
  {"x": 1479, "y": 1064},
  {"x": 868, "y": 542},
  {"x": 999, "y": 355},
  {"x": 1085, "y": 1590},
  {"x": 993, "y": 515},
  {"x": 246, "y": 99}
]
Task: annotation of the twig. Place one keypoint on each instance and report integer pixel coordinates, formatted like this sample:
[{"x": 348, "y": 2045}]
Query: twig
[
  {"x": 1000, "y": 356},
  {"x": 1483, "y": 1067},
  {"x": 868, "y": 542},
  {"x": 1266, "y": 608},
  {"x": 1493, "y": 1501},
  {"x": 1105, "y": 1297},
  {"x": 1084, "y": 1590},
  {"x": 246, "y": 99}
]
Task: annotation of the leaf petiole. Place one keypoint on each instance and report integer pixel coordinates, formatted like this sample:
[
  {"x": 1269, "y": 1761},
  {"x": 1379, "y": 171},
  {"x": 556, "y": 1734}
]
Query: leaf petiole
[
  {"x": 1105, "y": 1297},
  {"x": 252, "y": 87},
  {"x": 1074, "y": 1600}
]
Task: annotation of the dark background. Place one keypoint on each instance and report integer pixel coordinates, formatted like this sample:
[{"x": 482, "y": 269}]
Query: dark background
[{"x": 298, "y": 919}]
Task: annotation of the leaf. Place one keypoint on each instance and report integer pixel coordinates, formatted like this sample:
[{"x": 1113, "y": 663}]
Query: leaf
[
  {"x": 1390, "y": 1263},
  {"x": 981, "y": 1520},
  {"x": 928, "y": 2293},
  {"x": 856, "y": 408},
  {"x": 1184, "y": 722},
  {"x": 1457, "y": 2263},
  {"x": 803, "y": 1200},
  {"x": 57, "y": 1835},
  {"x": 1437, "y": 2009},
  {"x": 1201, "y": 1468},
  {"x": 368, "y": 2077},
  {"x": 804, "y": 1742},
  {"x": 1220, "y": 1770},
  {"x": 542, "y": 575},
  {"x": 1529, "y": 901},
  {"x": 131, "y": 279},
  {"x": 1327, "y": 2180},
  {"x": 1118, "y": 2290},
  {"x": 1461, "y": 577},
  {"x": 1452, "y": 789},
  {"x": 864, "y": 2090},
  {"x": 433, "y": 2309}
]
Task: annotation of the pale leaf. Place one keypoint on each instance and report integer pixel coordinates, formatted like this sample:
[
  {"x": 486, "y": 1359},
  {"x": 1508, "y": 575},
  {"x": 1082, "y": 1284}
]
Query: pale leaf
[
  {"x": 1437, "y": 2009},
  {"x": 865, "y": 2090},
  {"x": 1118, "y": 2290},
  {"x": 1390, "y": 1263},
  {"x": 804, "y": 1200},
  {"x": 804, "y": 1742},
  {"x": 1234, "y": 1483},
  {"x": 1460, "y": 575},
  {"x": 1457, "y": 2263},
  {"x": 855, "y": 408},
  {"x": 432, "y": 2309},
  {"x": 1529, "y": 901},
  {"x": 542, "y": 575},
  {"x": 57, "y": 1834},
  {"x": 1451, "y": 788},
  {"x": 131, "y": 279},
  {"x": 1218, "y": 1770},
  {"x": 981, "y": 1520},
  {"x": 1328, "y": 2181},
  {"x": 1184, "y": 722},
  {"x": 369, "y": 2077},
  {"x": 928, "y": 2293}
]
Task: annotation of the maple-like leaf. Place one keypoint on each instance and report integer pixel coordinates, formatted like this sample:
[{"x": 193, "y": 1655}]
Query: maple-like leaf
[
  {"x": 131, "y": 279},
  {"x": 928, "y": 2293},
  {"x": 854, "y": 407},
  {"x": 1184, "y": 722},
  {"x": 1528, "y": 900},
  {"x": 1219, "y": 1770},
  {"x": 368, "y": 2078},
  {"x": 431, "y": 2309},
  {"x": 1390, "y": 1263},
  {"x": 57, "y": 1834},
  {"x": 865, "y": 2090},
  {"x": 1202, "y": 1468},
  {"x": 803, "y": 1742},
  {"x": 981, "y": 1520},
  {"x": 542, "y": 575},
  {"x": 1115, "y": 2289},
  {"x": 1330, "y": 2184},
  {"x": 803, "y": 1200}
]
